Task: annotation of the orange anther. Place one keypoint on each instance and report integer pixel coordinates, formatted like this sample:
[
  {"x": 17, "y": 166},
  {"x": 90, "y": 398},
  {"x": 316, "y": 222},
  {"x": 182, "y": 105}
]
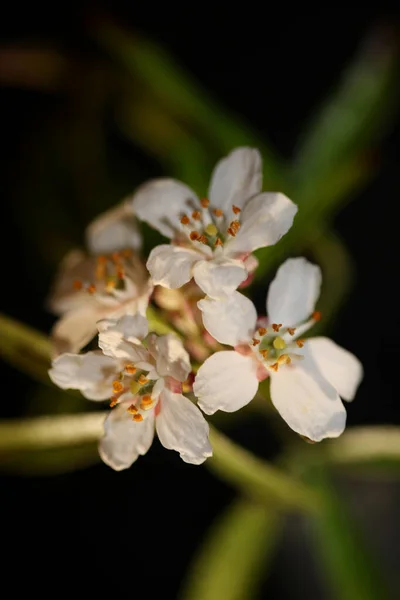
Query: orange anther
[
  {"x": 132, "y": 409},
  {"x": 185, "y": 220},
  {"x": 194, "y": 235},
  {"x": 218, "y": 212},
  {"x": 77, "y": 285},
  {"x": 113, "y": 401},
  {"x": 130, "y": 369},
  {"x": 300, "y": 343},
  {"x": 262, "y": 331},
  {"x": 276, "y": 327},
  {"x": 274, "y": 367},
  {"x": 196, "y": 215},
  {"x": 236, "y": 209},
  {"x": 142, "y": 379},
  {"x": 256, "y": 341},
  {"x": 264, "y": 353},
  {"x": 203, "y": 239},
  {"x": 291, "y": 330},
  {"x": 117, "y": 386},
  {"x": 218, "y": 242},
  {"x": 317, "y": 315},
  {"x": 205, "y": 202},
  {"x": 138, "y": 417},
  {"x": 147, "y": 399},
  {"x": 91, "y": 288}
]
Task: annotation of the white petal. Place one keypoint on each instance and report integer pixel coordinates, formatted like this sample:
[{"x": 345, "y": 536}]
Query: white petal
[
  {"x": 264, "y": 220},
  {"x": 171, "y": 266},
  {"x": 219, "y": 277},
  {"x": 171, "y": 357},
  {"x": 181, "y": 427},
  {"x": 294, "y": 291},
  {"x": 226, "y": 381},
  {"x": 162, "y": 202},
  {"x": 91, "y": 373},
  {"x": 235, "y": 179},
  {"x": 341, "y": 368},
  {"x": 63, "y": 296},
  {"x": 124, "y": 439},
  {"x": 74, "y": 330},
  {"x": 122, "y": 338},
  {"x": 307, "y": 402},
  {"x": 230, "y": 320},
  {"x": 130, "y": 327},
  {"x": 114, "y": 230}
]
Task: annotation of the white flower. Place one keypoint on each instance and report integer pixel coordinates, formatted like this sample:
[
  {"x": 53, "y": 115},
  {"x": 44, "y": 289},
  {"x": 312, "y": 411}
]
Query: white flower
[
  {"x": 144, "y": 382},
  {"x": 111, "y": 281},
  {"x": 212, "y": 239},
  {"x": 308, "y": 377}
]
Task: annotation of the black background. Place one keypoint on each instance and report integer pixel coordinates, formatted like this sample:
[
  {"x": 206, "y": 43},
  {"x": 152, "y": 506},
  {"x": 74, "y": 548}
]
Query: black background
[{"x": 102, "y": 532}]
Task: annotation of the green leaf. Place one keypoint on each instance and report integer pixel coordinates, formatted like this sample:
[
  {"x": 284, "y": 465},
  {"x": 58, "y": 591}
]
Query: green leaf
[
  {"x": 25, "y": 348},
  {"x": 187, "y": 102},
  {"x": 350, "y": 566},
  {"x": 235, "y": 555},
  {"x": 256, "y": 478},
  {"x": 354, "y": 116}
]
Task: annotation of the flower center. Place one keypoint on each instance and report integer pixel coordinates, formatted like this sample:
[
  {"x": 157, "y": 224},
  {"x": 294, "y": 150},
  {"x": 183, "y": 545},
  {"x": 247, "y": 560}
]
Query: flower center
[
  {"x": 108, "y": 274},
  {"x": 134, "y": 382},
  {"x": 275, "y": 347},
  {"x": 207, "y": 226}
]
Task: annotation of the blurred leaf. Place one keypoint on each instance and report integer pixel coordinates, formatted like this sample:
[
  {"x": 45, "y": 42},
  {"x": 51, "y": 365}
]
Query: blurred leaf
[
  {"x": 46, "y": 400},
  {"x": 36, "y": 68},
  {"x": 338, "y": 276},
  {"x": 354, "y": 116},
  {"x": 180, "y": 96},
  {"x": 54, "y": 461},
  {"x": 58, "y": 431},
  {"x": 25, "y": 348},
  {"x": 323, "y": 199},
  {"x": 256, "y": 478},
  {"x": 235, "y": 554},
  {"x": 350, "y": 566}
]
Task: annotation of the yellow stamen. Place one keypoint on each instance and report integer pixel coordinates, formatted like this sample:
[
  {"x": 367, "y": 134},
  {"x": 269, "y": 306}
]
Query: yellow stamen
[
  {"x": 279, "y": 343},
  {"x": 117, "y": 386},
  {"x": 211, "y": 229},
  {"x": 284, "y": 359},
  {"x": 134, "y": 387}
]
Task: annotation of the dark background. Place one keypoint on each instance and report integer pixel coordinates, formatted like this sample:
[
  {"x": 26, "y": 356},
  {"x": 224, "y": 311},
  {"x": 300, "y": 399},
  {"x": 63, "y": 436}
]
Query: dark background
[{"x": 96, "y": 531}]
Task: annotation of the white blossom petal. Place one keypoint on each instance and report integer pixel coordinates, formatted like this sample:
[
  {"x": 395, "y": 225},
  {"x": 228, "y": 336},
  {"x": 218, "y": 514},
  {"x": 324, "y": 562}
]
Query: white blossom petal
[
  {"x": 171, "y": 266},
  {"x": 181, "y": 427},
  {"x": 229, "y": 320},
  {"x": 226, "y": 381},
  {"x": 294, "y": 291},
  {"x": 73, "y": 331},
  {"x": 113, "y": 230},
  {"x": 162, "y": 202},
  {"x": 341, "y": 368},
  {"x": 63, "y": 296},
  {"x": 219, "y": 277},
  {"x": 91, "y": 373},
  {"x": 124, "y": 439},
  {"x": 172, "y": 360},
  {"x": 264, "y": 220},
  {"x": 122, "y": 338},
  {"x": 307, "y": 402},
  {"x": 235, "y": 179}
]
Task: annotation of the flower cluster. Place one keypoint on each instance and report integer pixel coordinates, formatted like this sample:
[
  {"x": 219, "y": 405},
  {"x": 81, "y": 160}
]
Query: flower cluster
[{"x": 194, "y": 282}]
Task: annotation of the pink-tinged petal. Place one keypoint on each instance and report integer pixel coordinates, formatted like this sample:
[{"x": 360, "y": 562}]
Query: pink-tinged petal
[
  {"x": 235, "y": 179},
  {"x": 264, "y": 220},
  {"x": 341, "y": 368},
  {"x": 124, "y": 439},
  {"x": 181, "y": 427},
  {"x": 226, "y": 381},
  {"x": 172, "y": 360},
  {"x": 114, "y": 230},
  {"x": 294, "y": 291},
  {"x": 162, "y": 202},
  {"x": 219, "y": 277},
  {"x": 91, "y": 373},
  {"x": 230, "y": 320},
  {"x": 171, "y": 266},
  {"x": 307, "y": 402}
]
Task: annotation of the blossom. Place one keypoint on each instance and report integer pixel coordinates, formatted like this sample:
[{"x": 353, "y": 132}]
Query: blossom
[
  {"x": 213, "y": 238},
  {"x": 143, "y": 375},
  {"x": 110, "y": 281},
  {"x": 308, "y": 377}
]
